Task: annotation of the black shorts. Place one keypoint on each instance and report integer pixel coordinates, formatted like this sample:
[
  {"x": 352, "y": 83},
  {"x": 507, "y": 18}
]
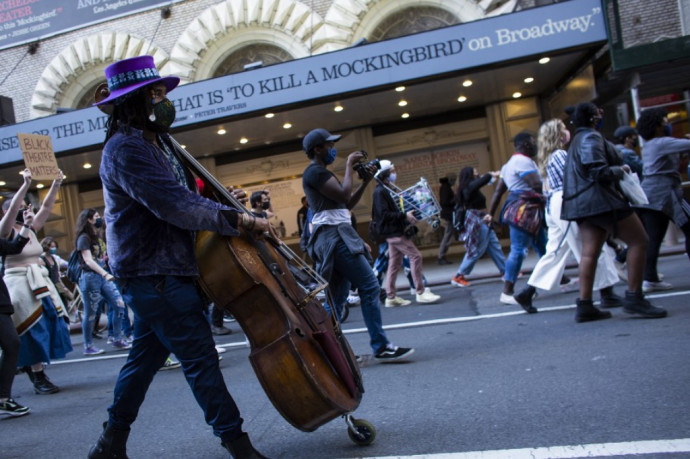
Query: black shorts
[{"x": 607, "y": 221}]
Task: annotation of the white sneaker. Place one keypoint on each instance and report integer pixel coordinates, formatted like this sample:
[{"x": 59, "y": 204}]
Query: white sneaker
[
  {"x": 353, "y": 299},
  {"x": 648, "y": 286},
  {"x": 622, "y": 271},
  {"x": 508, "y": 299},
  {"x": 397, "y": 301},
  {"x": 427, "y": 297},
  {"x": 571, "y": 286}
]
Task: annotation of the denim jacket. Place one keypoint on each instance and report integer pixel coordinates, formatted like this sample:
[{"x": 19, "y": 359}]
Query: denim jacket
[{"x": 151, "y": 219}]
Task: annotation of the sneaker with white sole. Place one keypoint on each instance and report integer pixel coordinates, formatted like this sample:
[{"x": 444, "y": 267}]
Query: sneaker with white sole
[
  {"x": 392, "y": 353},
  {"x": 397, "y": 301},
  {"x": 622, "y": 270},
  {"x": 170, "y": 364},
  {"x": 14, "y": 409},
  {"x": 459, "y": 281},
  {"x": 122, "y": 345},
  {"x": 649, "y": 286},
  {"x": 93, "y": 350},
  {"x": 427, "y": 297},
  {"x": 572, "y": 285},
  {"x": 507, "y": 298}
]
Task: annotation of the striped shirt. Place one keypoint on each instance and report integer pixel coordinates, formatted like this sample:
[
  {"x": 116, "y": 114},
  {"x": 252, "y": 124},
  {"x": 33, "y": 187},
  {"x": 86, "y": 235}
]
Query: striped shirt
[{"x": 554, "y": 170}]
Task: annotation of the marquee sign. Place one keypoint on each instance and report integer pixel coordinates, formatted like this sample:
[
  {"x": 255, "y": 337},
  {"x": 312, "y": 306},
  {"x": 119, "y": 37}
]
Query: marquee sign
[
  {"x": 471, "y": 45},
  {"x": 24, "y": 21}
]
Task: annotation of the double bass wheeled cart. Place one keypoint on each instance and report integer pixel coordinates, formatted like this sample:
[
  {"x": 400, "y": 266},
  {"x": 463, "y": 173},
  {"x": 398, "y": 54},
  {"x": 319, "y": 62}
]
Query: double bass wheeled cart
[
  {"x": 298, "y": 351},
  {"x": 420, "y": 199}
]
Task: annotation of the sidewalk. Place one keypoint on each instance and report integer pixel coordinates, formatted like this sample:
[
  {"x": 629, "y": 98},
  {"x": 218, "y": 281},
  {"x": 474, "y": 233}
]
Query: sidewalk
[{"x": 485, "y": 270}]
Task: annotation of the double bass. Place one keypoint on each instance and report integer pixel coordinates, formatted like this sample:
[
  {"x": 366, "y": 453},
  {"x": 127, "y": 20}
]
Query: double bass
[{"x": 298, "y": 351}]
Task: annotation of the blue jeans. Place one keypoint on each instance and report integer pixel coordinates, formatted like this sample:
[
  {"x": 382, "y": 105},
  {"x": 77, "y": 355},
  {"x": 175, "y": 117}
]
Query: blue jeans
[
  {"x": 94, "y": 288},
  {"x": 355, "y": 269},
  {"x": 126, "y": 324},
  {"x": 519, "y": 243},
  {"x": 169, "y": 317},
  {"x": 488, "y": 242}
]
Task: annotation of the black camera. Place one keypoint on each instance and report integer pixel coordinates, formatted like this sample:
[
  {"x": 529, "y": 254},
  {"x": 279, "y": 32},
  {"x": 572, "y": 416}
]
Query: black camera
[{"x": 361, "y": 167}]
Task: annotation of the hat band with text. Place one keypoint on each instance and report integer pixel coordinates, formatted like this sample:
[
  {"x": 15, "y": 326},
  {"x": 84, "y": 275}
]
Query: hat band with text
[{"x": 122, "y": 80}]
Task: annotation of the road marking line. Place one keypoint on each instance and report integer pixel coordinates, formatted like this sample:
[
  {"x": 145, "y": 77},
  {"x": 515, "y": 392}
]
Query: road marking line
[
  {"x": 681, "y": 445},
  {"x": 452, "y": 320},
  {"x": 421, "y": 323},
  {"x": 125, "y": 354}
]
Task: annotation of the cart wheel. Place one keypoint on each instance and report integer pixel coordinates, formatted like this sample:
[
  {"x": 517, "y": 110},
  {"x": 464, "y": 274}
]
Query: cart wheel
[
  {"x": 363, "y": 433},
  {"x": 435, "y": 224}
]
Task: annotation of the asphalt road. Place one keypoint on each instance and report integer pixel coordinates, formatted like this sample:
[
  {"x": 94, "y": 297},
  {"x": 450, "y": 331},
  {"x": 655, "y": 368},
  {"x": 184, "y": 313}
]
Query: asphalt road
[{"x": 486, "y": 380}]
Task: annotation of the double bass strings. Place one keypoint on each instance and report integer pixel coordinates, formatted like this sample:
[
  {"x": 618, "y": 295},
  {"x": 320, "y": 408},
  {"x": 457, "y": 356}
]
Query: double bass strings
[{"x": 317, "y": 283}]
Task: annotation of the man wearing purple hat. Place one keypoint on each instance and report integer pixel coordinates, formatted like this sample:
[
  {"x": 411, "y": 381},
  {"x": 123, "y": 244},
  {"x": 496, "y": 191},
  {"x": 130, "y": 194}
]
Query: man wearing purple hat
[
  {"x": 152, "y": 213},
  {"x": 339, "y": 254}
]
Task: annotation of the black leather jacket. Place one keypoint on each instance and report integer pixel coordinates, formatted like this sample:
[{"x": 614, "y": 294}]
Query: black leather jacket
[
  {"x": 592, "y": 172},
  {"x": 390, "y": 220}
]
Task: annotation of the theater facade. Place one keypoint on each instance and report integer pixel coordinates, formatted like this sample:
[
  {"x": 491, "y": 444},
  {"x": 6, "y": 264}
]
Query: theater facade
[{"x": 432, "y": 102}]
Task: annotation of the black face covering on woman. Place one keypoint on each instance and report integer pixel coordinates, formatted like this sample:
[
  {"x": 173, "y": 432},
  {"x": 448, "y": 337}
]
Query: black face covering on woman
[{"x": 266, "y": 205}]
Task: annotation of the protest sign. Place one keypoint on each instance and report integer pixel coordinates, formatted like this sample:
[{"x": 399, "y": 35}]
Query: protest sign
[{"x": 39, "y": 156}]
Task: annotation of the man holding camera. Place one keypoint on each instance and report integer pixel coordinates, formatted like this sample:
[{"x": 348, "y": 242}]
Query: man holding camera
[
  {"x": 339, "y": 254},
  {"x": 397, "y": 227}
]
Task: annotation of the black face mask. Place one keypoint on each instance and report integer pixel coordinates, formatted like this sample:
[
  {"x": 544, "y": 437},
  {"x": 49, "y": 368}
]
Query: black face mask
[
  {"x": 529, "y": 148},
  {"x": 98, "y": 223},
  {"x": 162, "y": 117},
  {"x": 266, "y": 205}
]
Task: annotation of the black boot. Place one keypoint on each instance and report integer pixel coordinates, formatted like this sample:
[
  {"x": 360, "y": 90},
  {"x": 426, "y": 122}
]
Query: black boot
[
  {"x": 586, "y": 312},
  {"x": 524, "y": 299},
  {"x": 241, "y": 448},
  {"x": 27, "y": 369},
  {"x": 112, "y": 444},
  {"x": 635, "y": 303},
  {"x": 609, "y": 299},
  {"x": 43, "y": 385}
]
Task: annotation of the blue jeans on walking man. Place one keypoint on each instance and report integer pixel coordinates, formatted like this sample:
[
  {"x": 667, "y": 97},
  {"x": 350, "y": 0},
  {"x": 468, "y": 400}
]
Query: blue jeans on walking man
[
  {"x": 356, "y": 269},
  {"x": 170, "y": 317}
]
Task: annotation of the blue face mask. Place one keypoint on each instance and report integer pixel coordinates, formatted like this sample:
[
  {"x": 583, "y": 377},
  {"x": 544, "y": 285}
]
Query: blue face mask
[
  {"x": 53, "y": 250},
  {"x": 392, "y": 177},
  {"x": 668, "y": 131},
  {"x": 332, "y": 152},
  {"x": 600, "y": 124}
]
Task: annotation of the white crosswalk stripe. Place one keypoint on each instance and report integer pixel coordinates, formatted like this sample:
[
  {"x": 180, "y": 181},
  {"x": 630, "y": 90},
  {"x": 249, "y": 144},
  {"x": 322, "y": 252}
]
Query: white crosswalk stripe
[{"x": 654, "y": 447}]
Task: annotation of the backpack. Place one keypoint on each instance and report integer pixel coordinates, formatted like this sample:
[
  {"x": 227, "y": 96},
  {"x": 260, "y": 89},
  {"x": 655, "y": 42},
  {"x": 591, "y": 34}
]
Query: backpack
[
  {"x": 374, "y": 235},
  {"x": 459, "y": 213},
  {"x": 74, "y": 268}
]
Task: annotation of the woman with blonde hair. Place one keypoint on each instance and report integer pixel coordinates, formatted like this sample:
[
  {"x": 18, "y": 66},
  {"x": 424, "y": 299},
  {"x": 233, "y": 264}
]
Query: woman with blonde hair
[{"x": 563, "y": 238}]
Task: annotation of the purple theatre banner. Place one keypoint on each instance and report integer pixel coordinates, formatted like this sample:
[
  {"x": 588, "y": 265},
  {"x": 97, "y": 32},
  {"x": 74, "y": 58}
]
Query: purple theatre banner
[{"x": 25, "y": 21}]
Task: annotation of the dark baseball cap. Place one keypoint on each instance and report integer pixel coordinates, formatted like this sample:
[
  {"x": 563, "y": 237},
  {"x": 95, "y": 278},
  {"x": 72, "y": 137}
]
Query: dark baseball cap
[
  {"x": 624, "y": 131},
  {"x": 318, "y": 137}
]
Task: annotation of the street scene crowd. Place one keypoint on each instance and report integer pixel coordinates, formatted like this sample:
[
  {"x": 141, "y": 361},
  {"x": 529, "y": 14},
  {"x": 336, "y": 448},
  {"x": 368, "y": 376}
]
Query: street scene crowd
[{"x": 567, "y": 192}]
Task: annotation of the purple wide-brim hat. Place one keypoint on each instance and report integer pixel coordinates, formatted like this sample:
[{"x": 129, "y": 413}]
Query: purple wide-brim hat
[{"x": 128, "y": 75}]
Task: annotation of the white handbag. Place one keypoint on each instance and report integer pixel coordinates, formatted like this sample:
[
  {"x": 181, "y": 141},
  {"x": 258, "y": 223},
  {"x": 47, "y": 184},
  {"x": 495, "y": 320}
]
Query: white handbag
[{"x": 631, "y": 188}]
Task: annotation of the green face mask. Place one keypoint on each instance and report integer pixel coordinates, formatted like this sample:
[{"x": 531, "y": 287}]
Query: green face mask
[{"x": 163, "y": 116}]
